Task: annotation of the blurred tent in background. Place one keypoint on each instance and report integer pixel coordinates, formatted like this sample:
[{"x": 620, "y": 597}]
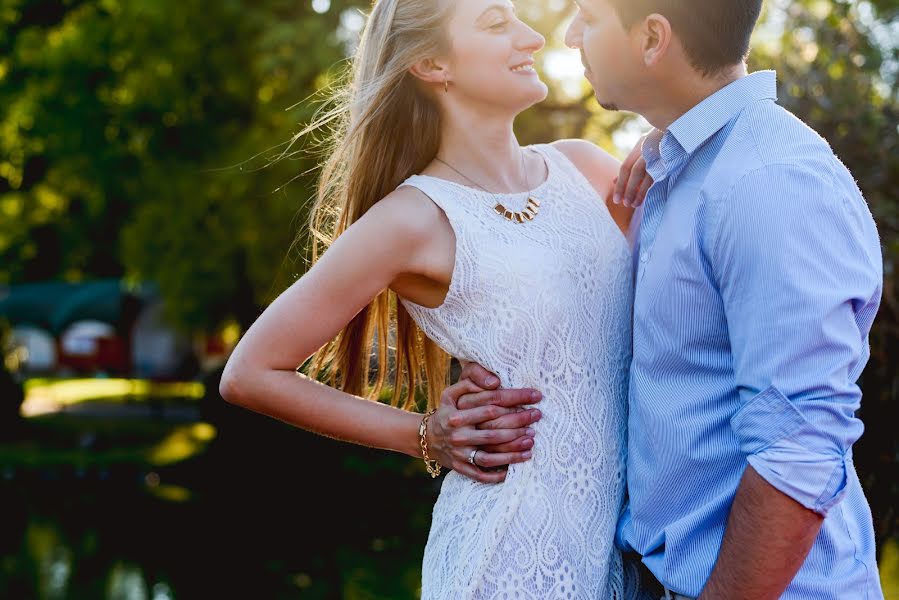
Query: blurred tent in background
[
  {"x": 95, "y": 327},
  {"x": 55, "y": 305}
]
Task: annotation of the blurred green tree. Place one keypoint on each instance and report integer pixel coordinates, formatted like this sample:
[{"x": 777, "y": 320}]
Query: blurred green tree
[{"x": 118, "y": 124}]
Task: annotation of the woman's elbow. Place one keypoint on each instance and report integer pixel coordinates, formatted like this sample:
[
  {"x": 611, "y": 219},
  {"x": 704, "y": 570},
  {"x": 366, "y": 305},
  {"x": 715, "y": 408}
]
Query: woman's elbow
[{"x": 230, "y": 388}]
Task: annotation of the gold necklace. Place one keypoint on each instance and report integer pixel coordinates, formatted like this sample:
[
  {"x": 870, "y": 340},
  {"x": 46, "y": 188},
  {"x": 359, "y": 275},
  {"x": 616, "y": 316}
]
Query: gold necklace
[{"x": 530, "y": 210}]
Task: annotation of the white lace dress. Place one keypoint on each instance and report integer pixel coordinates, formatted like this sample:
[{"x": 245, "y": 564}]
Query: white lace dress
[{"x": 545, "y": 305}]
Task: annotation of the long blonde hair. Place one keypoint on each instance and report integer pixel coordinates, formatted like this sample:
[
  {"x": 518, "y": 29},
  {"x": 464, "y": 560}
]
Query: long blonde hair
[{"x": 385, "y": 128}]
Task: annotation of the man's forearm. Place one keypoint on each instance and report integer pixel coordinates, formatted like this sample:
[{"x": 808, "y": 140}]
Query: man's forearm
[{"x": 767, "y": 539}]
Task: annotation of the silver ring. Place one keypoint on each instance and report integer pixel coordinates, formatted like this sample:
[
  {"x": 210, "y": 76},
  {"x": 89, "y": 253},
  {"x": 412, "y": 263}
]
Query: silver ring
[{"x": 472, "y": 456}]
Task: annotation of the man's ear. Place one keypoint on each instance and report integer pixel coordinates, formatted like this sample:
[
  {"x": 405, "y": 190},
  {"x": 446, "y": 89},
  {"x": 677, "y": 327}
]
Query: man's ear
[
  {"x": 430, "y": 70},
  {"x": 657, "y": 37}
]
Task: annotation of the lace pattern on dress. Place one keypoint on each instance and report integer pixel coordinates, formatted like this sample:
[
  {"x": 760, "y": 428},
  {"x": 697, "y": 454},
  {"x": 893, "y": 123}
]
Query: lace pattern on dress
[{"x": 544, "y": 304}]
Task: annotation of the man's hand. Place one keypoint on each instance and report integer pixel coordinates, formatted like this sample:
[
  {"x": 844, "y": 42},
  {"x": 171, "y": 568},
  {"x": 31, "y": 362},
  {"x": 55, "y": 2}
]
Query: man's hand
[
  {"x": 633, "y": 182},
  {"x": 488, "y": 383},
  {"x": 474, "y": 415}
]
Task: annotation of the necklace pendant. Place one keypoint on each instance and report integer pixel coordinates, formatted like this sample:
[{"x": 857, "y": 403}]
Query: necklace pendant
[
  {"x": 531, "y": 208},
  {"x": 521, "y": 216}
]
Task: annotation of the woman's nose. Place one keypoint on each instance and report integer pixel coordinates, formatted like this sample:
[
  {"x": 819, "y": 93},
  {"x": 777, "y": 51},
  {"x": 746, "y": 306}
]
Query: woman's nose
[{"x": 531, "y": 40}]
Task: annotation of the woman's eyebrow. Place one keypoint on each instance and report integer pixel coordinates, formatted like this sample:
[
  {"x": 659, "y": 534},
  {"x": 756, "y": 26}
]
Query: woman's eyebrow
[{"x": 499, "y": 7}]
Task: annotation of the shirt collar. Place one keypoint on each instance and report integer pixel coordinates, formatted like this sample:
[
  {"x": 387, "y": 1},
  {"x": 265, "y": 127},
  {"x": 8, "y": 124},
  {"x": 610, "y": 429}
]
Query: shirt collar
[{"x": 705, "y": 119}]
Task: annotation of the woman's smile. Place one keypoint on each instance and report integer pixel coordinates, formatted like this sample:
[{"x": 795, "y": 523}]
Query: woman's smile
[{"x": 526, "y": 68}]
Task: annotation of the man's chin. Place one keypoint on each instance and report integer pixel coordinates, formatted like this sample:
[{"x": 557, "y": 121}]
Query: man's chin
[
  {"x": 608, "y": 105},
  {"x": 603, "y": 103}
]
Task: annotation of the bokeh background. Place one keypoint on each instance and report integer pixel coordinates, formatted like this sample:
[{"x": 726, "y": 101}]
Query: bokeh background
[{"x": 145, "y": 223}]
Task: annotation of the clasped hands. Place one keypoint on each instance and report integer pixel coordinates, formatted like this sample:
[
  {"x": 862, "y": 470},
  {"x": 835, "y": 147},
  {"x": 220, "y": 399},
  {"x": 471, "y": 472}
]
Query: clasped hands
[{"x": 474, "y": 414}]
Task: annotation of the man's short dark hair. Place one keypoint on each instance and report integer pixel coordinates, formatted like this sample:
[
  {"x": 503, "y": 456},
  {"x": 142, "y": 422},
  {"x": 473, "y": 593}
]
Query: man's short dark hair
[{"x": 715, "y": 33}]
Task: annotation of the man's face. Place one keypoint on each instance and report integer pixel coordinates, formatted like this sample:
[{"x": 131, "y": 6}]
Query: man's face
[{"x": 610, "y": 53}]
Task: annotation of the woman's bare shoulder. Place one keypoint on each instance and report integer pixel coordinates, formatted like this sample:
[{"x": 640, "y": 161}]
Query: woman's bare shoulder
[
  {"x": 597, "y": 165},
  {"x": 406, "y": 212},
  {"x": 601, "y": 169}
]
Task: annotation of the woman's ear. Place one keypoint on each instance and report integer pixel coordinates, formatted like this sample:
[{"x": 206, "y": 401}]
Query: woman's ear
[
  {"x": 430, "y": 71},
  {"x": 657, "y": 38}
]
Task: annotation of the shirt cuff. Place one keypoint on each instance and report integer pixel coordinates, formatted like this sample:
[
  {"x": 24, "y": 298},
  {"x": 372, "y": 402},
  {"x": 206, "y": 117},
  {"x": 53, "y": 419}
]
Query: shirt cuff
[{"x": 790, "y": 453}]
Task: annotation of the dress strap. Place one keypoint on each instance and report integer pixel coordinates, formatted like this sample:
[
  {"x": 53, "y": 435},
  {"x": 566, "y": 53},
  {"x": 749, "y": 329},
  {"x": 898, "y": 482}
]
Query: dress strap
[{"x": 444, "y": 196}]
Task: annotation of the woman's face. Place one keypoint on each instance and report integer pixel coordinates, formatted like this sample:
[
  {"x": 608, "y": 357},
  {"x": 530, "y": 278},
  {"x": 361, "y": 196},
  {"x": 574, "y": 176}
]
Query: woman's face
[{"x": 491, "y": 59}]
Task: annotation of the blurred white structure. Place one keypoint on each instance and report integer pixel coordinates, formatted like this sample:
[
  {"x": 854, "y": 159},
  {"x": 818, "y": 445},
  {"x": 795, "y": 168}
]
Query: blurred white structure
[
  {"x": 157, "y": 350},
  {"x": 35, "y": 349}
]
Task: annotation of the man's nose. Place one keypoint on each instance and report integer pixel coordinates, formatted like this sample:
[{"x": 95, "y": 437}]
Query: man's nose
[{"x": 574, "y": 34}]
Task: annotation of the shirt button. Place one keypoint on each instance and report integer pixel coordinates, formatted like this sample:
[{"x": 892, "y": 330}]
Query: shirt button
[{"x": 644, "y": 256}]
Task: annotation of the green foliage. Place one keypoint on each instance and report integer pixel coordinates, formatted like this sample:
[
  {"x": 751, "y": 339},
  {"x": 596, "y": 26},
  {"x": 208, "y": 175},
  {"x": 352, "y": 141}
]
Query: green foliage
[{"x": 119, "y": 126}]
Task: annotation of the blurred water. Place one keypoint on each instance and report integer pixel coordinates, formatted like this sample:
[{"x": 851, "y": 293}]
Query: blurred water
[{"x": 285, "y": 515}]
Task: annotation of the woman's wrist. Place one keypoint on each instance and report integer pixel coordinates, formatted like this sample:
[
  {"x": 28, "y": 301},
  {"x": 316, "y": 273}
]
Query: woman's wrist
[
  {"x": 408, "y": 439},
  {"x": 432, "y": 465}
]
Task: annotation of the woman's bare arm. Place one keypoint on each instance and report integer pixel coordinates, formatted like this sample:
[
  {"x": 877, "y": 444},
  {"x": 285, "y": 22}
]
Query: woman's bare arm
[{"x": 393, "y": 238}]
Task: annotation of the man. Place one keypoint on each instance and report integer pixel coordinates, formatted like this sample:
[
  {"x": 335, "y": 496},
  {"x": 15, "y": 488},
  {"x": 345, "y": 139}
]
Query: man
[{"x": 758, "y": 275}]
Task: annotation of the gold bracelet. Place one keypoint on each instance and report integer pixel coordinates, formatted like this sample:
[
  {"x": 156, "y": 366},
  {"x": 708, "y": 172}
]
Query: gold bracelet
[{"x": 432, "y": 465}]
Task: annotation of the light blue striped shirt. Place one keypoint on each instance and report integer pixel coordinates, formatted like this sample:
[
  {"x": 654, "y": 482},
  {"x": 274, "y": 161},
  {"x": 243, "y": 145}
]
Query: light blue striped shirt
[{"x": 758, "y": 275}]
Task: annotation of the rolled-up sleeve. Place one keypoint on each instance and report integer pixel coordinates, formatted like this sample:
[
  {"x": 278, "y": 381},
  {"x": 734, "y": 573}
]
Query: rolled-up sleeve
[{"x": 797, "y": 274}]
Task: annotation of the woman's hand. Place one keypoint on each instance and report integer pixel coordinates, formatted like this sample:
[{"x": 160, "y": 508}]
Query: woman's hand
[
  {"x": 474, "y": 415},
  {"x": 633, "y": 182}
]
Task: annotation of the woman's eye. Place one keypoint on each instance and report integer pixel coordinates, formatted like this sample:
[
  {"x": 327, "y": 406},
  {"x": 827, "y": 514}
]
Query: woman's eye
[{"x": 500, "y": 25}]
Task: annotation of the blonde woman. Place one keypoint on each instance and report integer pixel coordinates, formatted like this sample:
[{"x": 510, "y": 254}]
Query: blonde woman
[{"x": 501, "y": 255}]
